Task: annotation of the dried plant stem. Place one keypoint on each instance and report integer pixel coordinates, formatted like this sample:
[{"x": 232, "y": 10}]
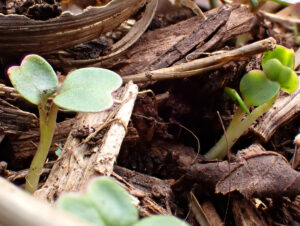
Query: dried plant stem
[
  {"x": 47, "y": 128},
  {"x": 204, "y": 65}
]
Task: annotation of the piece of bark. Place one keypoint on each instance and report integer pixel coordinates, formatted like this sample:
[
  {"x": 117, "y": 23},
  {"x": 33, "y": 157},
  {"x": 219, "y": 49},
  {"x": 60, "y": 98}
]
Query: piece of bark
[
  {"x": 285, "y": 109},
  {"x": 20, "y": 208},
  {"x": 13, "y": 121},
  {"x": 24, "y": 146},
  {"x": 256, "y": 173},
  {"x": 10, "y": 94},
  {"x": 241, "y": 20},
  {"x": 22, "y": 131},
  {"x": 80, "y": 160},
  {"x": 199, "y": 35},
  {"x": 148, "y": 189},
  {"x": 154, "y": 44}
]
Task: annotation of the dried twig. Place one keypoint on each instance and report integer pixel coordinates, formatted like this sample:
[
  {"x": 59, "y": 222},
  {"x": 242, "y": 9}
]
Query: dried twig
[{"x": 204, "y": 65}]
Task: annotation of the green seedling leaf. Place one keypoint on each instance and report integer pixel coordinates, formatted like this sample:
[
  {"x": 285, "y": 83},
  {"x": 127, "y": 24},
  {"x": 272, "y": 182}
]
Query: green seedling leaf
[
  {"x": 34, "y": 79},
  {"x": 284, "y": 75},
  {"x": 288, "y": 80},
  {"x": 284, "y": 55},
  {"x": 161, "y": 221},
  {"x": 88, "y": 90},
  {"x": 112, "y": 202},
  {"x": 272, "y": 68},
  {"x": 256, "y": 89},
  {"x": 80, "y": 206},
  {"x": 232, "y": 93}
]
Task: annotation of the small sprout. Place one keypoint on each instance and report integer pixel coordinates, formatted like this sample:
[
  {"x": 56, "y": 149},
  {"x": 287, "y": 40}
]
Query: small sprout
[
  {"x": 84, "y": 90},
  {"x": 233, "y": 94},
  {"x": 107, "y": 203},
  {"x": 258, "y": 88}
]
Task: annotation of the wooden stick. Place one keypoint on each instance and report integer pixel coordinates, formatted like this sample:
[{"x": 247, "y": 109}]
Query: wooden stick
[{"x": 204, "y": 65}]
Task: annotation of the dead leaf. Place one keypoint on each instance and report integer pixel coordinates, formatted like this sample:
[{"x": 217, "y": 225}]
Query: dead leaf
[
  {"x": 260, "y": 173},
  {"x": 255, "y": 173}
]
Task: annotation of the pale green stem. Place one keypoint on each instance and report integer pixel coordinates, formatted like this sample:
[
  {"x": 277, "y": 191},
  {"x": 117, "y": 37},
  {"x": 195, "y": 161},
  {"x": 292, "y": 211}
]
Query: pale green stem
[
  {"x": 236, "y": 128},
  {"x": 47, "y": 128}
]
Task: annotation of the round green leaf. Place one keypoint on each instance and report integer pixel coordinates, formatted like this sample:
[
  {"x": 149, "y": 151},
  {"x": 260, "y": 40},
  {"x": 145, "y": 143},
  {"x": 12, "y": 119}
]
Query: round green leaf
[
  {"x": 232, "y": 93},
  {"x": 88, "y": 90},
  {"x": 160, "y": 220},
  {"x": 80, "y": 206},
  {"x": 272, "y": 68},
  {"x": 284, "y": 55},
  {"x": 256, "y": 89},
  {"x": 288, "y": 80},
  {"x": 112, "y": 202},
  {"x": 34, "y": 79}
]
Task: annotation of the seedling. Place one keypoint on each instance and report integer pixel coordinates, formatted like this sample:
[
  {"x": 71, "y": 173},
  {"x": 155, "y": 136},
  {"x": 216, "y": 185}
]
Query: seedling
[
  {"x": 105, "y": 203},
  {"x": 83, "y": 90},
  {"x": 260, "y": 89}
]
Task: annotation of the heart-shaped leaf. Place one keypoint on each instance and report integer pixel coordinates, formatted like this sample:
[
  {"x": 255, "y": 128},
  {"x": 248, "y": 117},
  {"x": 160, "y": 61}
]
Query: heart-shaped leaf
[
  {"x": 88, "y": 90},
  {"x": 34, "y": 79},
  {"x": 256, "y": 89},
  {"x": 232, "y": 93},
  {"x": 284, "y": 55},
  {"x": 161, "y": 221},
  {"x": 80, "y": 206},
  {"x": 112, "y": 202}
]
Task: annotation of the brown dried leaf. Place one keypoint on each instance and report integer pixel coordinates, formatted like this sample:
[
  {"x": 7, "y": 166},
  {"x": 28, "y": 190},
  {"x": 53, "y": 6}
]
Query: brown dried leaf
[{"x": 259, "y": 173}]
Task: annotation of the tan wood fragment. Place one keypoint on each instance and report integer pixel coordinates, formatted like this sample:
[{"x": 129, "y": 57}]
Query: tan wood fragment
[{"x": 80, "y": 161}]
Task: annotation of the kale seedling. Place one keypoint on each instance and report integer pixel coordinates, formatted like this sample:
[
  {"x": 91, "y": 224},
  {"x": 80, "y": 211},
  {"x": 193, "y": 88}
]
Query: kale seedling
[
  {"x": 258, "y": 88},
  {"x": 83, "y": 90},
  {"x": 106, "y": 203}
]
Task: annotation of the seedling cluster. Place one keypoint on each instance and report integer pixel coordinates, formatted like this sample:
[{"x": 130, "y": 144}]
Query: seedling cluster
[
  {"x": 260, "y": 89},
  {"x": 83, "y": 90},
  {"x": 105, "y": 203}
]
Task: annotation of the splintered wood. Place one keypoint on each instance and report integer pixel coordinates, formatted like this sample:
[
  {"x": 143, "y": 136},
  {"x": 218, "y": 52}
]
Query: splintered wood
[{"x": 81, "y": 159}]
